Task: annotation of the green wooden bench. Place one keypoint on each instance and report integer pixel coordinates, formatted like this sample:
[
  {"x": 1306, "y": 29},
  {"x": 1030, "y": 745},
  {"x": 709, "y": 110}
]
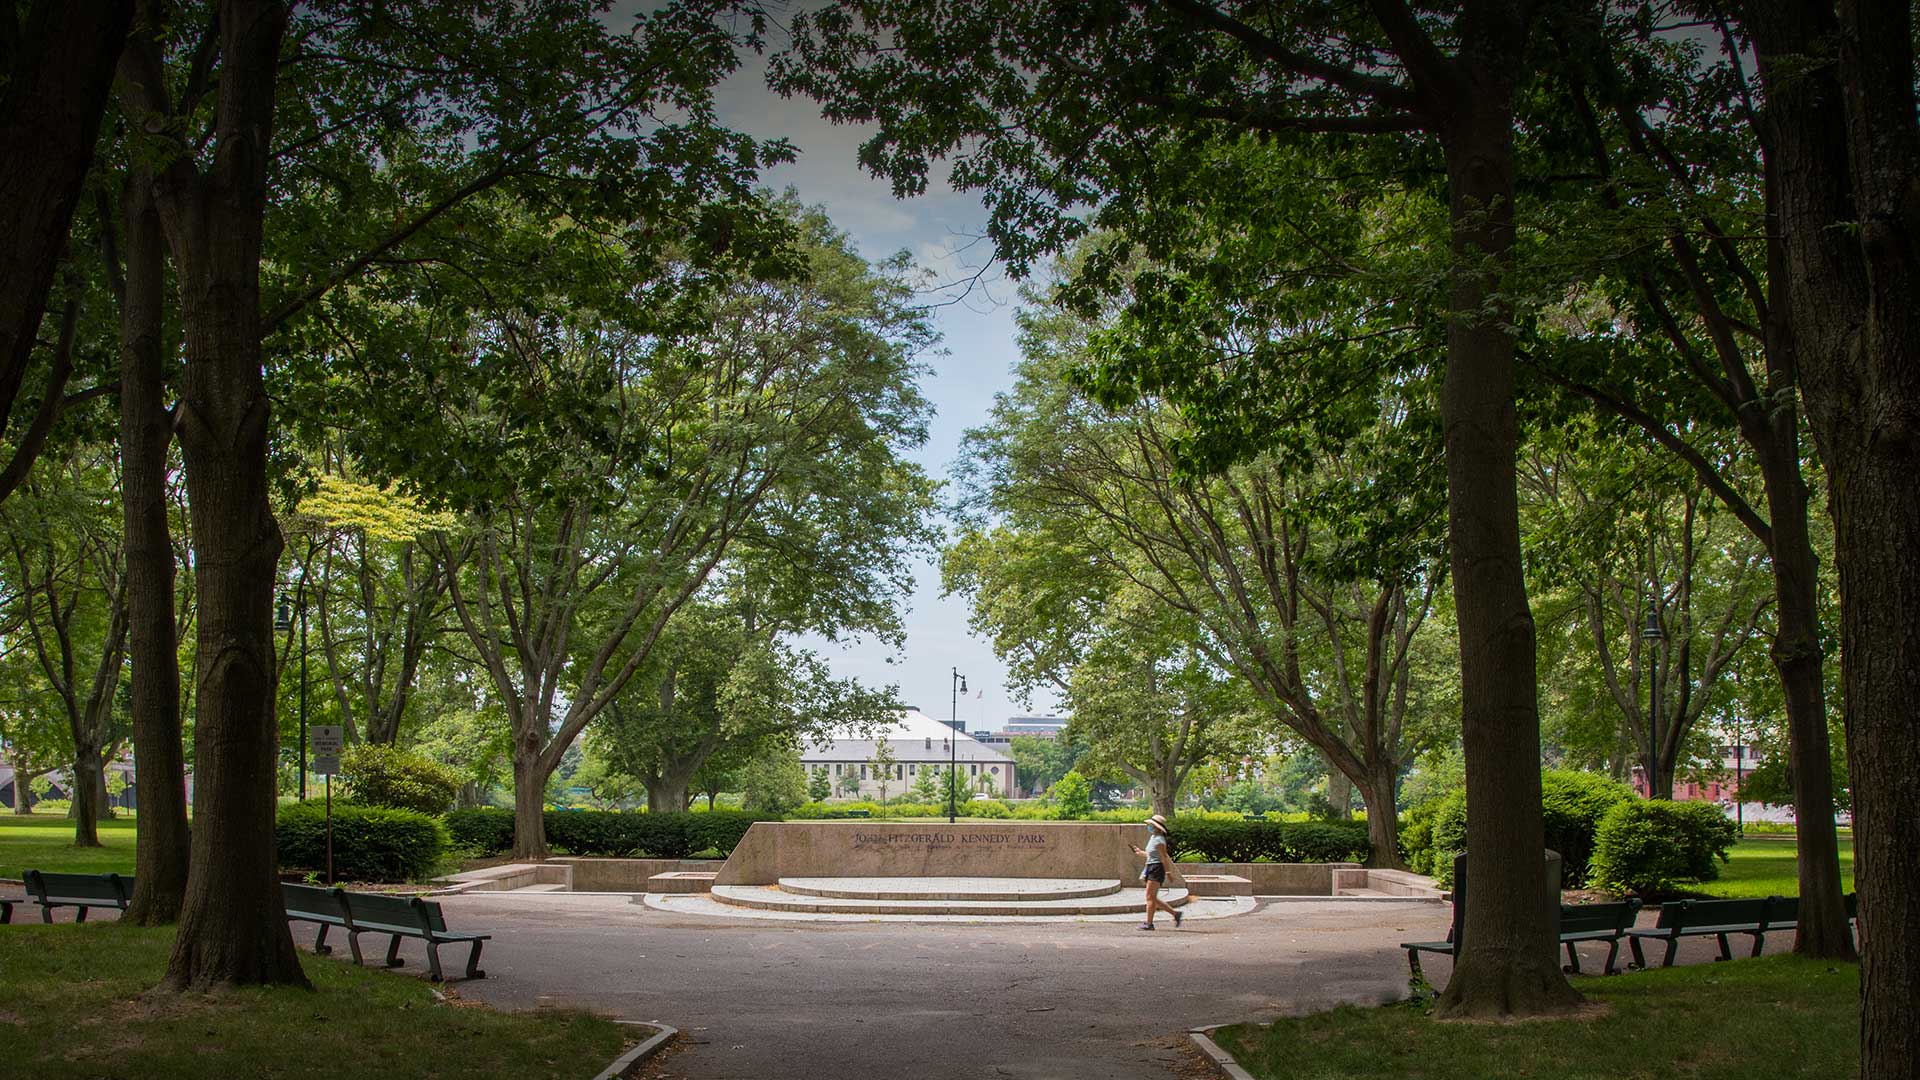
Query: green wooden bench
[
  {"x": 324, "y": 906},
  {"x": 1578, "y": 923},
  {"x": 81, "y": 892},
  {"x": 408, "y": 917},
  {"x": 6, "y": 907},
  {"x": 1715, "y": 919},
  {"x": 1596, "y": 922},
  {"x": 859, "y": 813}
]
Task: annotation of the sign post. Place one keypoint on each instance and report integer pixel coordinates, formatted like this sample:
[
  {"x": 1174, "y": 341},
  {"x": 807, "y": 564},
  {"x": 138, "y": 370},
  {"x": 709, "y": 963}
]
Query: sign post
[{"x": 328, "y": 741}]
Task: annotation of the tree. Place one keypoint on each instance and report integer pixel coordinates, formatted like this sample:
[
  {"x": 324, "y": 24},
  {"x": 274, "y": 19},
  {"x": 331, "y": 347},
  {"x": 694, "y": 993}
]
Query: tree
[
  {"x": 1072, "y": 796},
  {"x": 1049, "y": 108},
  {"x": 883, "y": 762},
  {"x": 819, "y": 786},
  {"x": 925, "y": 787},
  {"x": 1040, "y": 762},
  {"x": 850, "y": 784},
  {"x": 1628, "y": 547},
  {"x": 67, "y": 572},
  {"x": 1841, "y": 148}
]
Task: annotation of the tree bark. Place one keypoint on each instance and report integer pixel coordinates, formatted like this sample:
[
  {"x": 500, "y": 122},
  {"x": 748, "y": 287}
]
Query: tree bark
[
  {"x": 160, "y": 857},
  {"x": 1508, "y": 963},
  {"x": 233, "y": 927},
  {"x": 1339, "y": 793},
  {"x": 58, "y": 70},
  {"x": 1383, "y": 817},
  {"x": 1843, "y": 175},
  {"x": 529, "y": 807},
  {"x": 85, "y": 795}
]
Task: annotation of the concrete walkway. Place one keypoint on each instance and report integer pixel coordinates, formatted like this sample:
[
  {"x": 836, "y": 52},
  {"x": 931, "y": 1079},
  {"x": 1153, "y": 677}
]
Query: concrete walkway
[{"x": 761, "y": 1000}]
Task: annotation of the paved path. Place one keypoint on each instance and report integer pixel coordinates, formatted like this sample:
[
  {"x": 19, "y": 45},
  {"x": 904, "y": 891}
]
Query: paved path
[{"x": 830, "y": 1001}]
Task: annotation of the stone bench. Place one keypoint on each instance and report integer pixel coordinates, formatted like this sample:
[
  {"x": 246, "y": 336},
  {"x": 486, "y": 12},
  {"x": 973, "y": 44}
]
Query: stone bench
[{"x": 682, "y": 881}]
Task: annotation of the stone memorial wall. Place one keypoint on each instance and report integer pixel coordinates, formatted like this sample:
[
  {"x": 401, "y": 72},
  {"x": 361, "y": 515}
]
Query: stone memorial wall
[{"x": 773, "y": 850}]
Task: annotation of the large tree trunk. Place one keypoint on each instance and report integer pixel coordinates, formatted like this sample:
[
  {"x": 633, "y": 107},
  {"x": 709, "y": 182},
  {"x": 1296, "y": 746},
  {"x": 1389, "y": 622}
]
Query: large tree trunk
[
  {"x": 233, "y": 925},
  {"x": 1822, "y": 929},
  {"x": 1508, "y": 962},
  {"x": 1339, "y": 794},
  {"x": 1843, "y": 172},
  {"x": 87, "y": 785},
  {"x": 1383, "y": 817},
  {"x": 665, "y": 793},
  {"x": 529, "y": 807},
  {"x": 58, "y": 70},
  {"x": 160, "y": 857}
]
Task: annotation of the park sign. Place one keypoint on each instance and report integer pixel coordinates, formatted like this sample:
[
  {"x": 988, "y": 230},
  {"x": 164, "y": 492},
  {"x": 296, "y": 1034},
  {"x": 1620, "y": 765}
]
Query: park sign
[{"x": 327, "y": 741}]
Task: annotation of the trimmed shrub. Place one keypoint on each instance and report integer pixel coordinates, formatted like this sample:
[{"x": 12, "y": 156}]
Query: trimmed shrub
[
  {"x": 487, "y": 830},
  {"x": 627, "y": 834},
  {"x": 388, "y": 776},
  {"x": 1449, "y": 837},
  {"x": 1572, "y": 805},
  {"x": 370, "y": 843},
  {"x": 1225, "y": 838},
  {"x": 1650, "y": 846}
]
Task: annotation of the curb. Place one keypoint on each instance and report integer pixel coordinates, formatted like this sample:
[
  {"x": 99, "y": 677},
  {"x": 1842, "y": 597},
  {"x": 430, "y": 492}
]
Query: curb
[
  {"x": 626, "y": 1063},
  {"x": 1221, "y": 1060}
]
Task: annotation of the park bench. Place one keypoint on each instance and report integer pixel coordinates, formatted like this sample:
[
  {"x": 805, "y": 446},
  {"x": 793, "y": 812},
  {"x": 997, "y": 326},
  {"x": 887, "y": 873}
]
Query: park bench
[
  {"x": 1715, "y": 919},
  {"x": 1596, "y": 922},
  {"x": 6, "y": 907},
  {"x": 324, "y": 906},
  {"x": 1578, "y": 923},
  {"x": 859, "y": 813},
  {"x": 407, "y": 917},
  {"x": 79, "y": 891}
]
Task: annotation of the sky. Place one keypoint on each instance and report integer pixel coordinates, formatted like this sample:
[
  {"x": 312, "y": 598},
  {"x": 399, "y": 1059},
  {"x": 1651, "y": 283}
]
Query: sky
[{"x": 975, "y": 361}]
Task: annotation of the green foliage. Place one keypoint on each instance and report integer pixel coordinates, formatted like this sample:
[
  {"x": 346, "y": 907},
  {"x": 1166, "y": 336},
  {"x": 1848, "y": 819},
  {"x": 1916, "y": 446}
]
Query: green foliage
[
  {"x": 819, "y": 785},
  {"x": 1218, "y": 839},
  {"x": 773, "y": 783},
  {"x": 1572, "y": 805},
  {"x": 392, "y": 777},
  {"x": 1651, "y": 846},
  {"x": 655, "y": 835},
  {"x": 926, "y": 786},
  {"x": 1072, "y": 796},
  {"x": 1039, "y": 762},
  {"x": 487, "y": 830},
  {"x": 370, "y": 843}
]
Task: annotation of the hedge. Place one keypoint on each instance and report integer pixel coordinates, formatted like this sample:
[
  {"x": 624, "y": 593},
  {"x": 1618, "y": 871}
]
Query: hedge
[
  {"x": 1571, "y": 804},
  {"x": 1649, "y": 847},
  {"x": 1223, "y": 839},
  {"x": 390, "y": 776},
  {"x": 487, "y": 830},
  {"x": 657, "y": 835},
  {"x": 370, "y": 843}
]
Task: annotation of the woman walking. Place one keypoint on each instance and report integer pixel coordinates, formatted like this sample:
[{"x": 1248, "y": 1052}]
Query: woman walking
[{"x": 1155, "y": 872}]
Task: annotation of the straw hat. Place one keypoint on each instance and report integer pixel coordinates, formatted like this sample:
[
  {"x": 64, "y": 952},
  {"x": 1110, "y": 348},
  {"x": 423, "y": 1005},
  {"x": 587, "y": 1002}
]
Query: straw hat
[{"x": 1157, "y": 823}]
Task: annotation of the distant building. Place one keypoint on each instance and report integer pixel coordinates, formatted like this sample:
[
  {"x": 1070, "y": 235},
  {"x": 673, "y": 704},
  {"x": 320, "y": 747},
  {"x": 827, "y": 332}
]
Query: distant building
[
  {"x": 918, "y": 742},
  {"x": 1039, "y": 727}
]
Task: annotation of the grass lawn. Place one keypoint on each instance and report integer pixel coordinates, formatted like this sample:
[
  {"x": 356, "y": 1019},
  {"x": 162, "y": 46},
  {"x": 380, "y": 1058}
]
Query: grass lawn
[
  {"x": 1778, "y": 1017},
  {"x": 45, "y": 842},
  {"x": 1766, "y": 866},
  {"x": 74, "y": 1002}
]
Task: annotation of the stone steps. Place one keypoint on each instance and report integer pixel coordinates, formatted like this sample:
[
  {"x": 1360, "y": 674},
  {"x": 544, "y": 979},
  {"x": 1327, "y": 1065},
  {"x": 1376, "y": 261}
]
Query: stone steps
[
  {"x": 776, "y": 898},
  {"x": 540, "y": 888},
  {"x": 951, "y": 888}
]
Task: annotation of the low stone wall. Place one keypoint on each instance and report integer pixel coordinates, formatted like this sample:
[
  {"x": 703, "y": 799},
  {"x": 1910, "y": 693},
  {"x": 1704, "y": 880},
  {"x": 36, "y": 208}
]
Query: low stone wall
[
  {"x": 1278, "y": 879},
  {"x": 625, "y": 875},
  {"x": 772, "y": 850},
  {"x": 506, "y": 878}
]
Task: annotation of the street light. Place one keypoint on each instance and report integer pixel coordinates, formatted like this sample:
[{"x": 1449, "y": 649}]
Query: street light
[
  {"x": 1652, "y": 633},
  {"x": 953, "y": 750},
  {"x": 283, "y": 622}
]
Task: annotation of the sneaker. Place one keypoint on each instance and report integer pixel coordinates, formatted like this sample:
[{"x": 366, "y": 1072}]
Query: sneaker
[
  {"x": 1144, "y": 926},
  {"x": 1176, "y": 920}
]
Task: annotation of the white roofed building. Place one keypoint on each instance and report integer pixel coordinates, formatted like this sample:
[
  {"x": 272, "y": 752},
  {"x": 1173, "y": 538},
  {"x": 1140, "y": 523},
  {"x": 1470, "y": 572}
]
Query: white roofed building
[{"x": 918, "y": 742}]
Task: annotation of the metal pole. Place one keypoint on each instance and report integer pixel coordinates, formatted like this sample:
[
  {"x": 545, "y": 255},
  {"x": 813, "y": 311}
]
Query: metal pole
[
  {"x": 302, "y": 596},
  {"x": 1739, "y": 785},
  {"x": 953, "y": 752},
  {"x": 329, "y": 828}
]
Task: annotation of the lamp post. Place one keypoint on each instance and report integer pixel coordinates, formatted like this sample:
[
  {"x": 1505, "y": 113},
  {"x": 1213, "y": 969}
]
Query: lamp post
[
  {"x": 1653, "y": 634},
  {"x": 953, "y": 750},
  {"x": 283, "y": 622}
]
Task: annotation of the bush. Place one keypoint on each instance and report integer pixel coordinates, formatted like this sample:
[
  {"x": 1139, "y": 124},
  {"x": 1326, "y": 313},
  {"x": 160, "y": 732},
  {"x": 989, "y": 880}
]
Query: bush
[
  {"x": 370, "y": 843},
  {"x": 1650, "y": 846},
  {"x": 388, "y": 776},
  {"x": 627, "y": 834},
  {"x": 486, "y": 830},
  {"x": 1572, "y": 804},
  {"x": 1072, "y": 796},
  {"x": 1225, "y": 838}
]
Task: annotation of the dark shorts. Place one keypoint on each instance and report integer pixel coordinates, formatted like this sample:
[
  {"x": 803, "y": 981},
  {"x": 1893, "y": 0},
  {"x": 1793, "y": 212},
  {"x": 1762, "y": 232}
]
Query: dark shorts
[{"x": 1154, "y": 872}]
